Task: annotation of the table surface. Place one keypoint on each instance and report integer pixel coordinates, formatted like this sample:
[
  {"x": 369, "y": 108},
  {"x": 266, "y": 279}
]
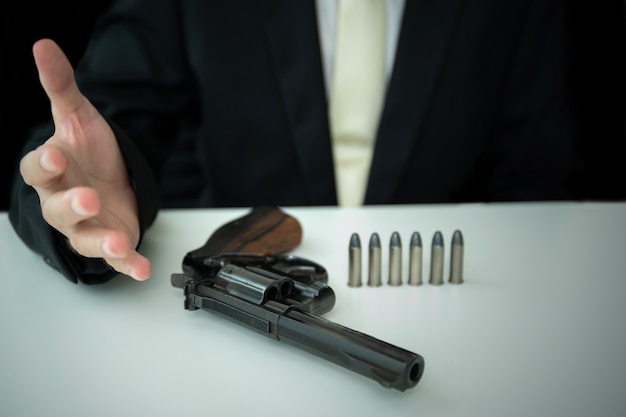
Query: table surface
[{"x": 537, "y": 328}]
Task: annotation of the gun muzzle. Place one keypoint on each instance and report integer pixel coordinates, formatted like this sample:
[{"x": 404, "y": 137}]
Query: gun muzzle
[{"x": 391, "y": 366}]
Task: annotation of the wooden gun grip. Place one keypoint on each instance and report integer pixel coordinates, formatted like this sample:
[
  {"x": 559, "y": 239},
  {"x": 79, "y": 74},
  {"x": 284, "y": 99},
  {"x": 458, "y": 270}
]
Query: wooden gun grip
[{"x": 264, "y": 231}]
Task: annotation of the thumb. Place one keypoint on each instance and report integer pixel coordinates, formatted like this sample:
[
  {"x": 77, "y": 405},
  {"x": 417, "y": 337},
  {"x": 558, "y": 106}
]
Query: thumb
[{"x": 57, "y": 78}]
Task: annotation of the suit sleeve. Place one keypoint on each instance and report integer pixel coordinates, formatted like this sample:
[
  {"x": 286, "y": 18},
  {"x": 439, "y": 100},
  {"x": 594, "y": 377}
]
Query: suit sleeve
[
  {"x": 134, "y": 72},
  {"x": 27, "y": 220}
]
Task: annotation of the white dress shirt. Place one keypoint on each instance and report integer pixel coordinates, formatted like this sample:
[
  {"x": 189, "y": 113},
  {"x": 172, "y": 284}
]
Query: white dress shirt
[
  {"x": 327, "y": 28},
  {"x": 353, "y": 157}
]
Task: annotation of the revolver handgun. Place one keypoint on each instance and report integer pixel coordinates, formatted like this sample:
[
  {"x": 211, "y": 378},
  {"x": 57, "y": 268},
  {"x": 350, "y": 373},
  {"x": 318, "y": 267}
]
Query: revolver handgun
[{"x": 243, "y": 274}]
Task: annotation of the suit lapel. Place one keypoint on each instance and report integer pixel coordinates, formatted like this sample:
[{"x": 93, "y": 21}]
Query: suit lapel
[
  {"x": 426, "y": 29},
  {"x": 293, "y": 39}
]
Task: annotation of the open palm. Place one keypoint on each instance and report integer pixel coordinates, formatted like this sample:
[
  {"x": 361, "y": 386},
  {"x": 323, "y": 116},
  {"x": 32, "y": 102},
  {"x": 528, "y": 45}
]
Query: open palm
[{"x": 80, "y": 174}]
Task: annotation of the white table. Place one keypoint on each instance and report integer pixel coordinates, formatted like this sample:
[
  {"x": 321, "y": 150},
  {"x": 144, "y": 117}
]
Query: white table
[{"x": 537, "y": 329}]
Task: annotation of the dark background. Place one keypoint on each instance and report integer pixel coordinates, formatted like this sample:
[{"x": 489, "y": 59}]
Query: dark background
[
  {"x": 23, "y": 101},
  {"x": 596, "y": 75}
]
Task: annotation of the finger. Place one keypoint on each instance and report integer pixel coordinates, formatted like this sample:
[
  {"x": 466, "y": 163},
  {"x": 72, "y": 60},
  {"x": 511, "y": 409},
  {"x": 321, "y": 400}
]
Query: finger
[
  {"x": 64, "y": 210},
  {"x": 112, "y": 246},
  {"x": 99, "y": 242},
  {"x": 135, "y": 266},
  {"x": 41, "y": 167},
  {"x": 57, "y": 78}
]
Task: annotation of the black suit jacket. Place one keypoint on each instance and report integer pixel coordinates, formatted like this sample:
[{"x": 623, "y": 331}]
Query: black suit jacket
[{"x": 223, "y": 103}]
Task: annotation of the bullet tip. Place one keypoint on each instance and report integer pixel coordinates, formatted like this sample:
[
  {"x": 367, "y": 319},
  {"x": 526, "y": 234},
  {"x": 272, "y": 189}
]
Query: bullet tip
[
  {"x": 438, "y": 239},
  {"x": 375, "y": 240},
  {"x": 355, "y": 241},
  {"x": 457, "y": 238},
  {"x": 416, "y": 239},
  {"x": 395, "y": 240}
]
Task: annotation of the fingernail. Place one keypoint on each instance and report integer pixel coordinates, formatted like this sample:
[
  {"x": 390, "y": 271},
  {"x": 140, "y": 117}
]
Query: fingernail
[
  {"x": 45, "y": 163},
  {"x": 133, "y": 274},
  {"x": 77, "y": 207},
  {"x": 107, "y": 249}
]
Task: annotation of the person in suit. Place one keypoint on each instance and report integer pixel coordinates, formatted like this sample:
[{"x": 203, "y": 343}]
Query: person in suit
[{"x": 198, "y": 104}]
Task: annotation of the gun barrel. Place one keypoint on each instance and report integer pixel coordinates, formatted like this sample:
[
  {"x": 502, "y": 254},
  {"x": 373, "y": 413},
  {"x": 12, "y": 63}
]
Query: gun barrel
[
  {"x": 391, "y": 366},
  {"x": 282, "y": 298}
]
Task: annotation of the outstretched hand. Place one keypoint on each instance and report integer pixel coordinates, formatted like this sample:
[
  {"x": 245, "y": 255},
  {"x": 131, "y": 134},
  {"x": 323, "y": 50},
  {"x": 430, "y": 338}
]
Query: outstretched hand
[{"x": 80, "y": 174}]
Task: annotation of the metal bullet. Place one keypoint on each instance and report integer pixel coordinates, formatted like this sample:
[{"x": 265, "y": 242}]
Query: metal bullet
[
  {"x": 456, "y": 258},
  {"x": 395, "y": 260},
  {"x": 374, "y": 271},
  {"x": 436, "y": 260},
  {"x": 354, "y": 273},
  {"x": 415, "y": 259}
]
